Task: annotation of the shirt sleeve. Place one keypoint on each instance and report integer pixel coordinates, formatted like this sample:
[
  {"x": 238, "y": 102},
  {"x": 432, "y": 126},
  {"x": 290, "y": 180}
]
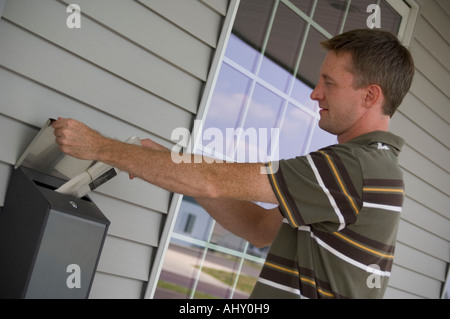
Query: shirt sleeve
[{"x": 321, "y": 187}]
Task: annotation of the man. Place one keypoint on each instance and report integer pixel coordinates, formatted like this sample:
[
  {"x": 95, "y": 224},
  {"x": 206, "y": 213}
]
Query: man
[{"x": 333, "y": 232}]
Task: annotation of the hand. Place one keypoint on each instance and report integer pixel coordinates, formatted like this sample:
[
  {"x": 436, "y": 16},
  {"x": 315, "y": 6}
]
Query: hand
[{"x": 76, "y": 139}]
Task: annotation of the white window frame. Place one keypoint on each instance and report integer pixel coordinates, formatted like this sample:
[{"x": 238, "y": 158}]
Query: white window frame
[{"x": 409, "y": 10}]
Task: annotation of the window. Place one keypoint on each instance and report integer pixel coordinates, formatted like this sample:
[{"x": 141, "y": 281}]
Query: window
[
  {"x": 189, "y": 223},
  {"x": 270, "y": 67}
]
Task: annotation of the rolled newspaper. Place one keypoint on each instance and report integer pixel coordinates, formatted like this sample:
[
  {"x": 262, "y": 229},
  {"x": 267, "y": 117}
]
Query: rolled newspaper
[{"x": 93, "y": 177}]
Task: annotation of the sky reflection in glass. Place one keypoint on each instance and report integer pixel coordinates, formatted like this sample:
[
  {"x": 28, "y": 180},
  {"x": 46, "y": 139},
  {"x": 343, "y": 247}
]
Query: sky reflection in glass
[{"x": 242, "y": 98}]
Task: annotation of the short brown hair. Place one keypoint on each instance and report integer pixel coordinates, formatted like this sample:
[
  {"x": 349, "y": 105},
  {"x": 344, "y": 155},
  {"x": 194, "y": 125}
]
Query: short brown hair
[{"x": 378, "y": 58}]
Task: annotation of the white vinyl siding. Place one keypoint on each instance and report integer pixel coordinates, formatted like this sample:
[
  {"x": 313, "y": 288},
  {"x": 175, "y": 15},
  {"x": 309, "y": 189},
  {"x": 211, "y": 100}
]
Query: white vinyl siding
[
  {"x": 423, "y": 249},
  {"x": 133, "y": 68}
]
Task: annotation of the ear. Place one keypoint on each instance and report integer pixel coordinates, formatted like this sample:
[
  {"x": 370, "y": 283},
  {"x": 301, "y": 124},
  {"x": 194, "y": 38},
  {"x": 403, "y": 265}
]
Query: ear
[{"x": 373, "y": 95}]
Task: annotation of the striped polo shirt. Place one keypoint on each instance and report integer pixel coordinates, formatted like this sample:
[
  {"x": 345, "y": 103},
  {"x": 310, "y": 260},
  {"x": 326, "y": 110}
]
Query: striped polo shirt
[{"x": 341, "y": 207}]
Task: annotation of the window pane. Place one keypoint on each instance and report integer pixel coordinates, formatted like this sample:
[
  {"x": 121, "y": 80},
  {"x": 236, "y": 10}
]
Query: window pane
[
  {"x": 357, "y": 17},
  {"x": 312, "y": 58},
  {"x": 189, "y": 223},
  {"x": 218, "y": 274},
  {"x": 304, "y": 5},
  {"x": 242, "y": 53},
  {"x": 274, "y": 74},
  {"x": 262, "y": 117},
  {"x": 195, "y": 217},
  {"x": 179, "y": 271},
  {"x": 252, "y": 20},
  {"x": 329, "y": 15},
  {"x": 390, "y": 19},
  {"x": 227, "y": 104},
  {"x": 301, "y": 93},
  {"x": 294, "y": 132},
  {"x": 224, "y": 238},
  {"x": 321, "y": 139},
  {"x": 247, "y": 279},
  {"x": 284, "y": 46}
]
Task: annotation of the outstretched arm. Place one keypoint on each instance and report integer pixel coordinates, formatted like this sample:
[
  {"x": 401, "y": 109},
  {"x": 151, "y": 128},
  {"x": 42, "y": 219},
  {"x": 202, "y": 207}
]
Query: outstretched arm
[{"x": 230, "y": 185}]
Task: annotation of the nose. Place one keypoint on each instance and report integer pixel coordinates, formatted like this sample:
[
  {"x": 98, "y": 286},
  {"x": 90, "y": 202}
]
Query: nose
[{"x": 316, "y": 95}]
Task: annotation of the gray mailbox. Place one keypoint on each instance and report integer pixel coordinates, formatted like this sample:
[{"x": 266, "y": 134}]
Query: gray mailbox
[{"x": 50, "y": 243}]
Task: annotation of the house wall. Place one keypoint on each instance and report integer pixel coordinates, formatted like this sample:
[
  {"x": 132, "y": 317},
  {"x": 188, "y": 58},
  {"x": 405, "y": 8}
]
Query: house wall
[
  {"x": 133, "y": 68},
  {"x": 423, "y": 249}
]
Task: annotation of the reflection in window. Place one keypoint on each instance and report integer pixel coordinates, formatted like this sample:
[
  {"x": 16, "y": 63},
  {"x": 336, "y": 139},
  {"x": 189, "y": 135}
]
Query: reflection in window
[
  {"x": 229, "y": 100},
  {"x": 305, "y": 6},
  {"x": 295, "y": 131},
  {"x": 312, "y": 58},
  {"x": 242, "y": 53},
  {"x": 330, "y": 14},
  {"x": 209, "y": 262},
  {"x": 263, "y": 115},
  {"x": 283, "y": 48},
  {"x": 189, "y": 223},
  {"x": 357, "y": 16}
]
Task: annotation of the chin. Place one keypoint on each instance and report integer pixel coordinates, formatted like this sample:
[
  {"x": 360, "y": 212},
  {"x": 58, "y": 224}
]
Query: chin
[{"x": 327, "y": 129}]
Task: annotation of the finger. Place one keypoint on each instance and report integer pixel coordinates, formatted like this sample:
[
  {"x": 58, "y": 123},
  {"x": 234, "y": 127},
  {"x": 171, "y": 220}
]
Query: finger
[
  {"x": 64, "y": 122},
  {"x": 59, "y": 123},
  {"x": 146, "y": 143}
]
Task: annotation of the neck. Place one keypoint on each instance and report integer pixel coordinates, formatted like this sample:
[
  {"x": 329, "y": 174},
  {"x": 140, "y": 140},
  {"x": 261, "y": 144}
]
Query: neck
[{"x": 364, "y": 127}]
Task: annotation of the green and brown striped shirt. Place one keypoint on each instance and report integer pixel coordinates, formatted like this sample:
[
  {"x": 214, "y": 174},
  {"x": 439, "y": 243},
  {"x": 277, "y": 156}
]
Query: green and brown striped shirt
[{"x": 341, "y": 208}]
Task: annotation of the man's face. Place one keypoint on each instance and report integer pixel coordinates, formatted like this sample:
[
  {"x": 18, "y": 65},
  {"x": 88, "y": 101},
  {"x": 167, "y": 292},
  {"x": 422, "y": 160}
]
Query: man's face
[{"x": 340, "y": 103}]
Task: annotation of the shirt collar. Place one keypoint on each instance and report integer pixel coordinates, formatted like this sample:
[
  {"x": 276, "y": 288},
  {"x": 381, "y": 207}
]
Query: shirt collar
[{"x": 396, "y": 142}]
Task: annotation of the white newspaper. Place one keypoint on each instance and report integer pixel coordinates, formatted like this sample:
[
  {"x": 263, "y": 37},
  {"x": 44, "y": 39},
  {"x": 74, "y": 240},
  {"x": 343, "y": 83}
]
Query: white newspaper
[{"x": 93, "y": 177}]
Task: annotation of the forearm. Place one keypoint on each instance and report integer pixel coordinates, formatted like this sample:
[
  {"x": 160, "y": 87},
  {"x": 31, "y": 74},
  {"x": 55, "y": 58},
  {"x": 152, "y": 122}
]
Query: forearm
[
  {"x": 156, "y": 167},
  {"x": 192, "y": 176}
]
